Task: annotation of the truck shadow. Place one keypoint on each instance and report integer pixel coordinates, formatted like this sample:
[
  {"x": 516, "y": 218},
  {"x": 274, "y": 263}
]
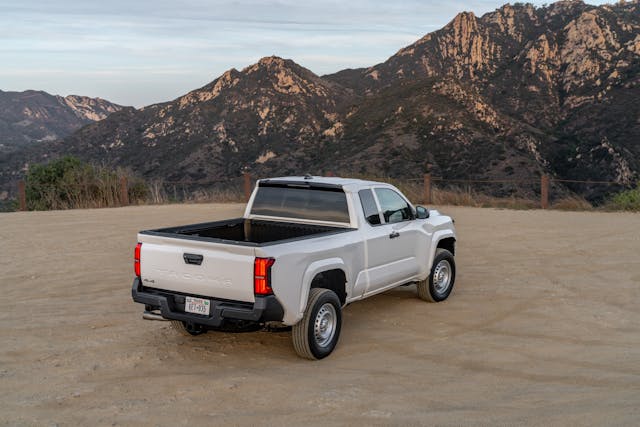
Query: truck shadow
[{"x": 251, "y": 343}]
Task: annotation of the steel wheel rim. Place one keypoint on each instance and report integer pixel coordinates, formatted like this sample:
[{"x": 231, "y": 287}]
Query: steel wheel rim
[
  {"x": 442, "y": 277},
  {"x": 324, "y": 327}
]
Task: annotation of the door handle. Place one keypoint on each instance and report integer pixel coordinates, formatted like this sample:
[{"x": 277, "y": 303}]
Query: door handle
[
  {"x": 192, "y": 259},
  {"x": 394, "y": 234}
]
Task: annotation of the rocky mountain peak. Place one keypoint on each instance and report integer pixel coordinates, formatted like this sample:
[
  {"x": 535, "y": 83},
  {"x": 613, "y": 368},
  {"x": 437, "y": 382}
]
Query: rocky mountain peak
[
  {"x": 274, "y": 64},
  {"x": 274, "y": 61},
  {"x": 513, "y": 20},
  {"x": 36, "y": 116},
  {"x": 286, "y": 77},
  {"x": 227, "y": 80},
  {"x": 463, "y": 22},
  {"x": 283, "y": 76},
  {"x": 248, "y": 117},
  {"x": 566, "y": 7},
  {"x": 92, "y": 109}
]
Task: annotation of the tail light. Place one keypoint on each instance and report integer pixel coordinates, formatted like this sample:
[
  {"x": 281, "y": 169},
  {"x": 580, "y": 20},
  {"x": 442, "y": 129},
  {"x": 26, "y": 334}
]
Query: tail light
[
  {"x": 262, "y": 276},
  {"x": 136, "y": 259}
]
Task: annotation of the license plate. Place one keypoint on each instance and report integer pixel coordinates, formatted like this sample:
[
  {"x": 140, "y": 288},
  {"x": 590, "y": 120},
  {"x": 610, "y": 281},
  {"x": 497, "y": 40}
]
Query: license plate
[{"x": 197, "y": 305}]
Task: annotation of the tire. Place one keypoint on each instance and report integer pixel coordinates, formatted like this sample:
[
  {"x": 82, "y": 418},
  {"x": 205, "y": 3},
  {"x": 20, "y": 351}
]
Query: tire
[
  {"x": 438, "y": 286},
  {"x": 316, "y": 335},
  {"x": 187, "y": 329}
]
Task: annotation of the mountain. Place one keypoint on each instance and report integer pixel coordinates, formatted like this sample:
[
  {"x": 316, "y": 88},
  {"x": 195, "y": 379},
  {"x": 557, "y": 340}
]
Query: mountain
[
  {"x": 515, "y": 93},
  {"x": 36, "y": 116},
  {"x": 270, "y": 112}
]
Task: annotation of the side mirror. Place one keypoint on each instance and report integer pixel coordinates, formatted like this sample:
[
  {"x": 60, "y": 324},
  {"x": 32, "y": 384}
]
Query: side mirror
[{"x": 422, "y": 212}]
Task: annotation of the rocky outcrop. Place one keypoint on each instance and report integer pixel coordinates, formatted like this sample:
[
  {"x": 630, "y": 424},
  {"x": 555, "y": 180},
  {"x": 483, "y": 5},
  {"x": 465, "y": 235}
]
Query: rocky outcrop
[
  {"x": 89, "y": 109},
  {"x": 35, "y": 116}
]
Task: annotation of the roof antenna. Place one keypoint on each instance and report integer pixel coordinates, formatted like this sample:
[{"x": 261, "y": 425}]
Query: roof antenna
[{"x": 308, "y": 176}]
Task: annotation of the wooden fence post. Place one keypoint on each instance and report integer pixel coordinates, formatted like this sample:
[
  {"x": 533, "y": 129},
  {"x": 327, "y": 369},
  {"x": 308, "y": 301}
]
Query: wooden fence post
[
  {"x": 427, "y": 189},
  {"x": 124, "y": 191},
  {"x": 247, "y": 185},
  {"x": 544, "y": 191},
  {"x": 22, "y": 195}
]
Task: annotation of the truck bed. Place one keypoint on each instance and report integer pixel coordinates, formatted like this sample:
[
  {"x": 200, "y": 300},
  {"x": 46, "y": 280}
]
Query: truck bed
[{"x": 246, "y": 232}]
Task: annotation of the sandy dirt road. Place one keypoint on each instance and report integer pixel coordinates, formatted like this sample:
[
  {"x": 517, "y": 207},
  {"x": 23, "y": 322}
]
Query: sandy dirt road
[{"x": 542, "y": 328}]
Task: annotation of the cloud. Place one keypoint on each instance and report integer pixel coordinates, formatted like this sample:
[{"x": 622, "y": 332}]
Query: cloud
[{"x": 53, "y": 45}]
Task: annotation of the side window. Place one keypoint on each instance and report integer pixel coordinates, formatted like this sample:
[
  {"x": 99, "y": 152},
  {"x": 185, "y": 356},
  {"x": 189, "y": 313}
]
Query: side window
[
  {"x": 394, "y": 207},
  {"x": 369, "y": 207}
]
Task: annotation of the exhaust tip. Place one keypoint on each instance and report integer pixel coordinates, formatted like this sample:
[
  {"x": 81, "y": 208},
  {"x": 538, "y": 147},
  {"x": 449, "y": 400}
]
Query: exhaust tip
[{"x": 153, "y": 315}]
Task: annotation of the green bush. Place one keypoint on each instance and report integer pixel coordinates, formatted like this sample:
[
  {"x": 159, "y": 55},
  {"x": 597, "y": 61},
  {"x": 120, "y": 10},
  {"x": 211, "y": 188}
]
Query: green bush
[
  {"x": 8, "y": 205},
  {"x": 46, "y": 184},
  {"x": 138, "y": 190},
  {"x": 627, "y": 200},
  {"x": 68, "y": 183}
]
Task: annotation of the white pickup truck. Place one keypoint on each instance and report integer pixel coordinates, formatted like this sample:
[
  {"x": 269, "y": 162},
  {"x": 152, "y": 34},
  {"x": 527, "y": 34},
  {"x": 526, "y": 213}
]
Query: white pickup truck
[{"x": 304, "y": 249}]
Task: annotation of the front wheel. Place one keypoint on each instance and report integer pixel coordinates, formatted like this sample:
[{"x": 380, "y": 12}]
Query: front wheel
[
  {"x": 439, "y": 284},
  {"x": 316, "y": 335}
]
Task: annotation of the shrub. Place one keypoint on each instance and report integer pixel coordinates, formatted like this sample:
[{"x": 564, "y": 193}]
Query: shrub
[
  {"x": 45, "y": 184},
  {"x": 8, "y": 205},
  {"x": 627, "y": 200},
  {"x": 68, "y": 183},
  {"x": 138, "y": 190}
]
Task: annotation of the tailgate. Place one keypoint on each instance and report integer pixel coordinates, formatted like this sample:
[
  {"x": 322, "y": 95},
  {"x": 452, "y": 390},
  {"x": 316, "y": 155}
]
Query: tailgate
[{"x": 201, "y": 268}]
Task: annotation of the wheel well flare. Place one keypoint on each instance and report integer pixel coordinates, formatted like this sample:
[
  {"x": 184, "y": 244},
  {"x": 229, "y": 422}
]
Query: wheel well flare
[
  {"x": 334, "y": 280},
  {"x": 449, "y": 244}
]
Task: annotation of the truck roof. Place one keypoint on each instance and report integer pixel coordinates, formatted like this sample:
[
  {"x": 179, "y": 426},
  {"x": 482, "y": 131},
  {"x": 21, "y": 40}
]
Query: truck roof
[{"x": 346, "y": 183}]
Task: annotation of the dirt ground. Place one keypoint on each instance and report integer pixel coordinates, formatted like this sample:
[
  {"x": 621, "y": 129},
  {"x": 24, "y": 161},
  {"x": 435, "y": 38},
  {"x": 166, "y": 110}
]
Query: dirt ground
[{"x": 542, "y": 328}]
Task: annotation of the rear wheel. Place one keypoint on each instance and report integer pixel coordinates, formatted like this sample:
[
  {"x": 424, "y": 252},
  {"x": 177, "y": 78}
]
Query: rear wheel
[
  {"x": 187, "y": 329},
  {"x": 439, "y": 284},
  {"x": 316, "y": 335}
]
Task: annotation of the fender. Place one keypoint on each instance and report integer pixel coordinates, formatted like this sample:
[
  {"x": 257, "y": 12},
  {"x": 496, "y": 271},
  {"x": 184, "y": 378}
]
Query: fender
[
  {"x": 312, "y": 270},
  {"x": 437, "y": 236}
]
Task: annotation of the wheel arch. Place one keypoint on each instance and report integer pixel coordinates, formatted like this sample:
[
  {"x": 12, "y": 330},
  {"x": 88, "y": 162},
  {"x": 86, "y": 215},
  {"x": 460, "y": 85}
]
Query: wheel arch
[
  {"x": 330, "y": 273},
  {"x": 445, "y": 239},
  {"x": 448, "y": 243},
  {"x": 335, "y": 280}
]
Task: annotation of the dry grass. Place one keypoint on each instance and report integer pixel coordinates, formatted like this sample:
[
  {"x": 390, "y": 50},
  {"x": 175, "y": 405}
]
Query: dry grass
[
  {"x": 161, "y": 193},
  {"x": 217, "y": 196},
  {"x": 572, "y": 203},
  {"x": 414, "y": 190},
  {"x": 479, "y": 200}
]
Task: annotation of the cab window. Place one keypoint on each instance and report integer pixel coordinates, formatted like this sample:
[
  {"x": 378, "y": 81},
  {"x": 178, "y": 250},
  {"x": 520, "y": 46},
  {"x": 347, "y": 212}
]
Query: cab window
[{"x": 394, "y": 207}]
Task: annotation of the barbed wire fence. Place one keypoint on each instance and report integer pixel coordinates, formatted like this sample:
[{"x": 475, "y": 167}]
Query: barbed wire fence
[{"x": 427, "y": 190}]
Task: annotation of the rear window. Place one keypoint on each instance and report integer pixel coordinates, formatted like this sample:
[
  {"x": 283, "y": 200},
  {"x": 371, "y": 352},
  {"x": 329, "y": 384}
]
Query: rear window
[{"x": 303, "y": 203}]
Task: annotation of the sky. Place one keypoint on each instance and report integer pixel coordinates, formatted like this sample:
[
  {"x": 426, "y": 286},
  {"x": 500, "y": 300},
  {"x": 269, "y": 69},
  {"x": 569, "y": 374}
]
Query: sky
[{"x": 139, "y": 52}]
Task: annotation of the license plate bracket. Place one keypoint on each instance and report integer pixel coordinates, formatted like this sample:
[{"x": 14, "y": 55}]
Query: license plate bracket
[{"x": 197, "y": 305}]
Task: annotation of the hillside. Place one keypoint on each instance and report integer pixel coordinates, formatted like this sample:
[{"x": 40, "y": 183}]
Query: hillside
[
  {"x": 551, "y": 89},
  {"x": 36, "y": 116},
  {"x": 512, "y": 94}
]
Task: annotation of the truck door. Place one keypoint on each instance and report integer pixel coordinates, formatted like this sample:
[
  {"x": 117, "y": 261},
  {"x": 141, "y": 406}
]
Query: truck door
[{"x": 390, "y": 249}]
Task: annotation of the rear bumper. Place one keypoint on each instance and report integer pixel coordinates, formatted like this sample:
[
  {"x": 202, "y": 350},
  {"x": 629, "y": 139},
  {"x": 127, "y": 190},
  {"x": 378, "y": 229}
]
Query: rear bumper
[{"x": 171, "y": 306}]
